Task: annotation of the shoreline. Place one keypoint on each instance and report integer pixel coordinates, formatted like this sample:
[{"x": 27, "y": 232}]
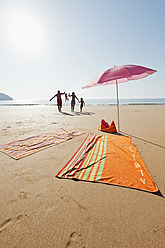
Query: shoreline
[
  {"x": 40, "y": 210},
  {"x": 129, "y": 104},
  {"x": 89, "y": 102}
]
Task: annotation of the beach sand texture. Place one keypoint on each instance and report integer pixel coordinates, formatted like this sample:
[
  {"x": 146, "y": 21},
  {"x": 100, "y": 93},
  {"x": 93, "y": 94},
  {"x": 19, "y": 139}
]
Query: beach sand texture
[{"x": 39, "y": 210}]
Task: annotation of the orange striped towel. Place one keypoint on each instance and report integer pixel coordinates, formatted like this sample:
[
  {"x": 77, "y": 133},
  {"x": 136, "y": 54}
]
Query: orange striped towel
[{"x": 109, "y": 159}]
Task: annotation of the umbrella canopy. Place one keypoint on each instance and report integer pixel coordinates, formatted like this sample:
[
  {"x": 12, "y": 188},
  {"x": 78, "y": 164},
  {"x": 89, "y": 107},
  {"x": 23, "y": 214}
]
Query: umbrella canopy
[
  {"x": 119, "y": 74},
  {"x": 122, "y": 74}
]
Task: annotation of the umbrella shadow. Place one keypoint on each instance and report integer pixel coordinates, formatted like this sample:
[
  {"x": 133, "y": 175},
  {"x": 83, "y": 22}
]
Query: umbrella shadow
[
  {"x": 117, "y": 133},
  {"x": 147, "y": 141}
]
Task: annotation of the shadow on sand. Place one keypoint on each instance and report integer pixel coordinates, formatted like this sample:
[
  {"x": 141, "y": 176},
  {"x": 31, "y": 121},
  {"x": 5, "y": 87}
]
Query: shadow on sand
[
  {"x": 158, "y": 193},
  {"x": 84, "y": 113},
  {"x": 77, "y": 113},
  {"x": 147, "y": 141},
  {"x": 120, "y": 133},
  {"x": 65, "y": 113}
]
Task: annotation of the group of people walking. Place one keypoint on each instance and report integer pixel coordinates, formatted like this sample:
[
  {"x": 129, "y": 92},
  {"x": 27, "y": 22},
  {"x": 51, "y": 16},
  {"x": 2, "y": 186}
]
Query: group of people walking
[{"x": 73, "y": 100}]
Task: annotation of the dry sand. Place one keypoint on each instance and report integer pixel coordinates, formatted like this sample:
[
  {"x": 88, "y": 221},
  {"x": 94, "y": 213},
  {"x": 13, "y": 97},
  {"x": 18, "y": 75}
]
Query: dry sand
[{"x": 39, "y": 210}]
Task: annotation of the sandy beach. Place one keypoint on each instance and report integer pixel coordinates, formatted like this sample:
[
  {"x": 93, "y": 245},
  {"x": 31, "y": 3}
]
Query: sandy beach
[{"x": 39, "y": 210}]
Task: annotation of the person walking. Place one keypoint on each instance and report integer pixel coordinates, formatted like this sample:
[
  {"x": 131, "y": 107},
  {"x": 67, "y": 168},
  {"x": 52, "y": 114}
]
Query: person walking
[
  {"x": 73, "y": 101},
  {"x": 82, "y": 104},
  {"x": 59, "y": 100}
]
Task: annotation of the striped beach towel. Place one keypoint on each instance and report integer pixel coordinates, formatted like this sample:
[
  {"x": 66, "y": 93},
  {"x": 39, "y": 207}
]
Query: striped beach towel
[
  {"x": 109, "y": 159},
  {"x": 21, "y": 148}
]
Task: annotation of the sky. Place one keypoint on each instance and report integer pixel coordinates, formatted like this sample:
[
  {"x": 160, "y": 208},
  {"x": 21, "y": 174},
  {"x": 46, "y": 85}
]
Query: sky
[{"x": 50, "y": 45}]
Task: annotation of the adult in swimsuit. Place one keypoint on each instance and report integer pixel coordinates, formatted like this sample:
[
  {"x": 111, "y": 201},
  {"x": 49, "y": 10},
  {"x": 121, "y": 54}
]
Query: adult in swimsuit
[
  {"x": 73, "y": 101},
  {"x": 59, "y": 100}
]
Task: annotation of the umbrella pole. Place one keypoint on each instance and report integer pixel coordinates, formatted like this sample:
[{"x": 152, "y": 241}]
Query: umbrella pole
[{"x": 117, "y": 105}]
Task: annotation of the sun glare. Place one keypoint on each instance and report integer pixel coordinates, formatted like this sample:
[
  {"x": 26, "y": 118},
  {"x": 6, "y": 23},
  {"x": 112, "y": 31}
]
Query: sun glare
[{"x": 25, "y": 32}]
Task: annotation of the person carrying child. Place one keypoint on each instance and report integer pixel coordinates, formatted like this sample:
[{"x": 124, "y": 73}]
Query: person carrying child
[{"x": 59, "y": 100}]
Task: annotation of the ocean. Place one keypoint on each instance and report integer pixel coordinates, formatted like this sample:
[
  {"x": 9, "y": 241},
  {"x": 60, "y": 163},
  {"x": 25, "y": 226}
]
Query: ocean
[{"x": 89, "y": 102}]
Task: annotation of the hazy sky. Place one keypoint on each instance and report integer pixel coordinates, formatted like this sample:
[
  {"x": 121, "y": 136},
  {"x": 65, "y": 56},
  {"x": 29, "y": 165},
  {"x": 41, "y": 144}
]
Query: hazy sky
[{"x": 50, "y": 45}]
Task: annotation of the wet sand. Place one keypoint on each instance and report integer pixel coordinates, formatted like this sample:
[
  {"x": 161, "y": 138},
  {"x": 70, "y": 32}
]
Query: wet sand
[{"x": 40, "y": 210}]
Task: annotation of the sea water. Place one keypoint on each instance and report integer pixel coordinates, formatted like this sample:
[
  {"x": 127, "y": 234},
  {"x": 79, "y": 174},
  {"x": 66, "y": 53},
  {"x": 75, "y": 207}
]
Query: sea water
[{"x": 89, "y": 102}]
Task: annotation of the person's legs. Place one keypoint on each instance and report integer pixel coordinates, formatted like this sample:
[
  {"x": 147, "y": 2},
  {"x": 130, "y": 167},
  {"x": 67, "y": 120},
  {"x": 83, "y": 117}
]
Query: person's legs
[
  {"x": 72, "y": 106},
  {"x": 59, "y": 108},
  {"x": 81, "y": 106},
  {"x": 59, "y": 104}
]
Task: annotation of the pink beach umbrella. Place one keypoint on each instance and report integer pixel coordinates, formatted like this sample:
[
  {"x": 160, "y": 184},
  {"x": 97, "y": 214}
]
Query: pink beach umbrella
[{"x": 119, "y": 74}]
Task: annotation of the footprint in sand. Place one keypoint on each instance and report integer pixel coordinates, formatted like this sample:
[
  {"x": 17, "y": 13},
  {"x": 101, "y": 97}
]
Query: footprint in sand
[
  {"x": 20, "y": 217},
  {"x": 19, "y": 122},
  {"x": 8, "y": 221},
  {"x": 75, "y": 240},
  {"x": 53, "y": 123},
  {"x": 21, "y": 175},
  {"x": 23, "y": 195},
  {"x": 158, "y": 230},
  {"x": 69, "y": 198},
  {"x": 92, "y": 220},
  {"x": 4, "y": 224}
]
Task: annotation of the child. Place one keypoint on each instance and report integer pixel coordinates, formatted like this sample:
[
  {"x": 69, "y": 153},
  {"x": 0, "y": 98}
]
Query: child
[
  {"x": 66, "y": 97},
  {"x": 82, "y": 104}
]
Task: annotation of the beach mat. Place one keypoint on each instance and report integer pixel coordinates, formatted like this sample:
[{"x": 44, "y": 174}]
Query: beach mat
[
  {"x": 110, "y": 159},
  {"x": 21, "y": 148}
]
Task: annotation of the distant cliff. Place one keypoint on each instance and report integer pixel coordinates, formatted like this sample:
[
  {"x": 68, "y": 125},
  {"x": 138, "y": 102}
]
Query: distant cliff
[{"x": 4, "y": 97}]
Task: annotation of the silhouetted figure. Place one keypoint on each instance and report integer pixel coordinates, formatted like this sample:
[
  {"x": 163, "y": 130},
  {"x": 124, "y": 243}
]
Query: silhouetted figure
[
  {"x": 73, "y": 101},
  {"x": 82, "y": 104},
  {"x": 59, "y": 100}
]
